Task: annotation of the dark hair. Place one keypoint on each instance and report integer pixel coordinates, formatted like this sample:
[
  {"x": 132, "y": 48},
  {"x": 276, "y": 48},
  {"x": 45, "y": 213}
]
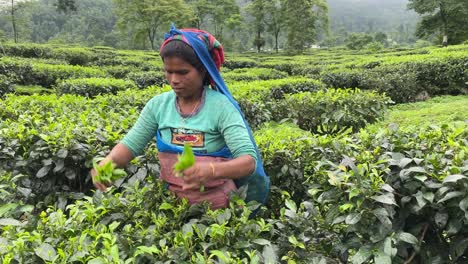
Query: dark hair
[{"x": 178, "y": 48}]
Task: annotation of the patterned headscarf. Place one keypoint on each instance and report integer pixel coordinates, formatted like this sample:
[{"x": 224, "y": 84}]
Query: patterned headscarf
[{"x": 212, "y": 44}]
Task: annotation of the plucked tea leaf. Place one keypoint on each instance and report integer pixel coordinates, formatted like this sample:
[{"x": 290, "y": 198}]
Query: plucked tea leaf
[{"x": 186, "y": 160}]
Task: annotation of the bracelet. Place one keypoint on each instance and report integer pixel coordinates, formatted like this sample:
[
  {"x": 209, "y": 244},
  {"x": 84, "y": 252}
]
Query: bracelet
[{"x": 212, "y": 169}]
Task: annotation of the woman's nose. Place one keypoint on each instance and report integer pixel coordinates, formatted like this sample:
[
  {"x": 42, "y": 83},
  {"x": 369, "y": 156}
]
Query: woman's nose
[{"x": 173, "y": 79}]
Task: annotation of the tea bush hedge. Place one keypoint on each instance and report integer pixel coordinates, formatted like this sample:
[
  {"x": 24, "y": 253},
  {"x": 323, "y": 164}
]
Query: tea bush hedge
[
  {"x": 90, "y": 87},
  {"x": 252, "y": 74},
  {"x": 332, "y": 111},
  {"x": 145, "y": 79}
]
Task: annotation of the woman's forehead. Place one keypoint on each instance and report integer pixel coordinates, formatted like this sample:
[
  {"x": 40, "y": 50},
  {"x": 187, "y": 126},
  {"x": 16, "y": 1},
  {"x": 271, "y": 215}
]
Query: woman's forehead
[{"x": 176, "y": 62}]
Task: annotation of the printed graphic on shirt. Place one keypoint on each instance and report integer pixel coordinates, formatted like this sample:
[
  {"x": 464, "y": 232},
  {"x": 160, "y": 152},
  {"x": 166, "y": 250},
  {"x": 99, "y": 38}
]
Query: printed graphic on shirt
[{"x": 181, "y": 136}]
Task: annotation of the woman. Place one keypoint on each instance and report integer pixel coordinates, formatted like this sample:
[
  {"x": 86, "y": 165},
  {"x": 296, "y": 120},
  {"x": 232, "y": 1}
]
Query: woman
[{"x": 201, "y": 112}]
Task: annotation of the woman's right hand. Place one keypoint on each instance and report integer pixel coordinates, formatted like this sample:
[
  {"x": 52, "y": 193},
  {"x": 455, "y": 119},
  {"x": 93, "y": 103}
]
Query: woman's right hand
[{"x": 102, "y": 187}]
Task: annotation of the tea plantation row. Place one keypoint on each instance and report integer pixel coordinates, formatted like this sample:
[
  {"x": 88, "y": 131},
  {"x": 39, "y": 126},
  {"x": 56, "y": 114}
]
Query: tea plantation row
[{"x": 405, "y": 75}]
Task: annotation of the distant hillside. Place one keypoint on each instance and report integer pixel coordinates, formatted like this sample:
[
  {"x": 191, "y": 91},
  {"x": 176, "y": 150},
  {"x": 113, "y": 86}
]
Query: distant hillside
[{"x": 371, "y": 16}]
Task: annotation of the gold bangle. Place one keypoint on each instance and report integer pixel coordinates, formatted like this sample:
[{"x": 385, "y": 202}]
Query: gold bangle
[{"x": 212, "y": 169}]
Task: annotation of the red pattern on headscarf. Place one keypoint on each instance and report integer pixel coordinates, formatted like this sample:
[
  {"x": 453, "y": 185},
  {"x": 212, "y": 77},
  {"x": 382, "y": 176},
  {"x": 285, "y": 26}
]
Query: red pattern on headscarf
[{"x": 212, "y": 44}]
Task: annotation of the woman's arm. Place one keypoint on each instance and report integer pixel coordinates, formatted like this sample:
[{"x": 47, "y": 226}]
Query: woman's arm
[
  {"x": 120, "y": 155},
  {"x": 197, "y": 175}
]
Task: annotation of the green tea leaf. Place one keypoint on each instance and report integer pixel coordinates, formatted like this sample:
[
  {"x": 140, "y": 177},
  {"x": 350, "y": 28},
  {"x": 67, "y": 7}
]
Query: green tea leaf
[
  {"x": 353, "y": 218},
  {"x": 454, "y": 178},
  {"x": 186, "y": 160},
  {"x": 361, "y": 256},
  {"x": 46, "y": 252},
  {"x": 408, "y": 238}
]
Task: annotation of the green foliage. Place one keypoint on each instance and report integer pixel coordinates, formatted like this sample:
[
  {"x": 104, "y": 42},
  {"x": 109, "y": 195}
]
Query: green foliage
[
  {"x": 258, "y": 98},
  {"x": 251, "y": 74},
  {"x": 305, "y": 19},
  {"x": 90, "y": 87},
  {"x": 48, "y": 75},
  {"x": 5, "y": 85},
  {"x": 146, "y": 18},
  {"x": 435, "y": 111},
  {"x": 444, "y": 18},
  {"x": 379, "y": 195},
  {"x": 357, "y": 41},
  {"x": 374, "y": 46},
  {"x": 55, "y": 155},
  {"x": 145, "y": 79},
  {"x": 403, "y": 81},
  {"x": 333, "y": 111},
  {"x": 235, "y": 63}
]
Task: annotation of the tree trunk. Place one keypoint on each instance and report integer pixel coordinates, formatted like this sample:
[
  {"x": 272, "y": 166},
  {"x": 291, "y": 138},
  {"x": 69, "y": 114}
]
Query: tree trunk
[
  {"x": 13, "y": 22},
  {"x": 259, "y": 46},
  {"x": 151, "y": 35},
  {"x": 276, "y": 41},
  {"x": 443, "y": 16}
]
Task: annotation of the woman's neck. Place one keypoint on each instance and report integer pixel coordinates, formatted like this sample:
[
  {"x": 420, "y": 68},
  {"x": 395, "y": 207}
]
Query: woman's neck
[{"x": 187, "y": 104}]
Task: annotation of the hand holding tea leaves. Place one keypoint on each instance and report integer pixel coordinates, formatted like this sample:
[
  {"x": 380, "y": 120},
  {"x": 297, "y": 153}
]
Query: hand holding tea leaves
[
  {"x": 107, "y": 173},
  {"x": 185, "y": 161}
]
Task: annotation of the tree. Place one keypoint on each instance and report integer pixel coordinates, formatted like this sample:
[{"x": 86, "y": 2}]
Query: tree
[
  {"x": 305, "y": 19},
  {"x": 357, "y": 41},
  {"x": 381, "y": 38},
  {"x": 275, "y": 18},
  {"x": 65, "y": 5},
  {"x": 201, "y": 9},
  {"x": 223, "y": 13},
  {"x": 447, "y": 18},
  {"x": 14, "y": 7},
  {"x": 257, "y": 10},
  {"x": 146, "y": 17}
]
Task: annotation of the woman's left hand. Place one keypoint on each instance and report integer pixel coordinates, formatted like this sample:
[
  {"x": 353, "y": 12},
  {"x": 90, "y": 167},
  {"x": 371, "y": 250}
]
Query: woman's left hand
[{"x": 196, "y": 176}]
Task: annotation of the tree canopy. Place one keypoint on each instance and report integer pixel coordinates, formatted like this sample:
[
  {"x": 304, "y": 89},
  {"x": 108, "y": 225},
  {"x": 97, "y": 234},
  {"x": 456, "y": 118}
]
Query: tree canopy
[
  {"x": 240, "y": 25},
  {"x": 448, "y": 19}
]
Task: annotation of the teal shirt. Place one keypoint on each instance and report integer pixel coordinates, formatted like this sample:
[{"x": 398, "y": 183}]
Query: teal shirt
[{"x": 217, "y": 124}]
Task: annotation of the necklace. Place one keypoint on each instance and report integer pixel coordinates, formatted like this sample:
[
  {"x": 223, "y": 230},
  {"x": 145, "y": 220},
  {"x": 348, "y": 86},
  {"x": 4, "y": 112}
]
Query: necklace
[{"x": 184, "y": 117}]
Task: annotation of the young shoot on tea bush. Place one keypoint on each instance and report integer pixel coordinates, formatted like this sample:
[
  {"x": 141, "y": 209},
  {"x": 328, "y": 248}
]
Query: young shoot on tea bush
[
  {"x": 185, "y": 161},
  {"x": 107, "y": 173}
]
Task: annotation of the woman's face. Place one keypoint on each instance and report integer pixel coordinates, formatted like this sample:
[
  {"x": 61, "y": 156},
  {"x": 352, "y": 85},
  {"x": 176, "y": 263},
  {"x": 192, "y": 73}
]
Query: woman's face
[{"x": 184, "y": 79}]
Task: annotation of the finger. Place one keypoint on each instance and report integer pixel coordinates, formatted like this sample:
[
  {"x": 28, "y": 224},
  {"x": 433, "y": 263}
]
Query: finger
[
  {"x": 190, "y": 186},
  {"x": 101, "y": 187},
  {"x": 191, "y": 170}
]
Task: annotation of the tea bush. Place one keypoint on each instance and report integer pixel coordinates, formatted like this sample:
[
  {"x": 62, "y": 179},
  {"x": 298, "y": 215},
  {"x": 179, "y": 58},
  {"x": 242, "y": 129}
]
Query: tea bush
[
  {"x": 145, "y": 79},
  {"x": 361, "y": 195},
  {"x": 90, "y": 87},
  {"x": 251, "y": 74},
  {"x": 237, "y": 63},
  {"x": 5, "y": 85},
  {"x": 333, "y": 110}
]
